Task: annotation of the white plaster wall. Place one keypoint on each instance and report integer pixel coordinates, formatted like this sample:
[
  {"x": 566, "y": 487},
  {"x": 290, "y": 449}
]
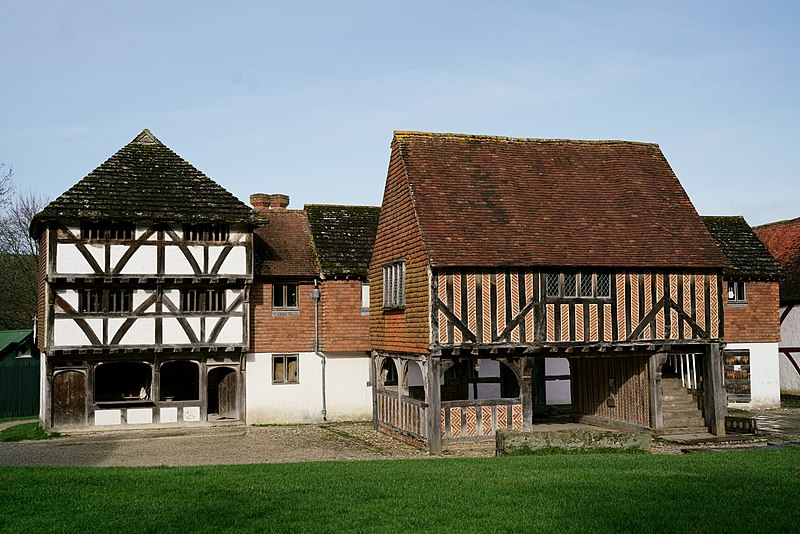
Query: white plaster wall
[
  {"x": 230, "y": 296},
  {"x": 70, "y": 296},
  {"x": 176, "y": 263},
  {"x": 67, "y": 333},
  {"x": 141, "y": 332},
  {"x": 790, "y": 337},
  {"x": 139, "y": 296},
  {"x": 232, "y": 332},
  {"x": 143, "y": 261},
  {"x": 348, "y": 395},
  {"x": 174, "y": 296},
  {"x": 764, "y": 375},
  {"x": 173, "y": 333},
  {"x": 235, "y": 262},
  {"x": 69, "y": 259}
]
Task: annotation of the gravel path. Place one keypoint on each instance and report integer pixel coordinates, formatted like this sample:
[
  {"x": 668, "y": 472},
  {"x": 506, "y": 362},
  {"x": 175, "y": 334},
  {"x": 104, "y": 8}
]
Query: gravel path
[{"x": 289, "y": 443}]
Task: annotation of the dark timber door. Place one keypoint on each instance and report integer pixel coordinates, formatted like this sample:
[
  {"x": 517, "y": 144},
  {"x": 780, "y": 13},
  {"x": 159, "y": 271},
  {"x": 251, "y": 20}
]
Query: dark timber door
[
  {"x": 227, "y": 396},
  {"x": 69, "y": 398}
]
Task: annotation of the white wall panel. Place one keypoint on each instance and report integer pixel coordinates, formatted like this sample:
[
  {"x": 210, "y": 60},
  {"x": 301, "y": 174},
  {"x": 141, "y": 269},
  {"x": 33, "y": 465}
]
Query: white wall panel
[
  {"x": 67, "y": 333},
  {"x": 140, "y": 295},
  {"x": 175, "y": 262},
  {"x": 69, "y": 295},
  {"x": 143, "y": 261},
  {"x": 69, "y": 260},
  {"x": 235, "y": 263},
  {"x": 141, "y": 332},
  {"x": 173, "y": 333},
  {"x": 232, "y": 332},
  {"x": 765, "y": 380}
]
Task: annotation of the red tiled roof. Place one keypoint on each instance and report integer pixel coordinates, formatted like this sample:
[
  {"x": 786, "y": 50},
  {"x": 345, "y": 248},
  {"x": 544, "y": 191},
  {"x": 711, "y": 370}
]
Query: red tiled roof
[
  {"x": 783, "y": 241},
  {"x": 491, "y": 201},
  {"x": 284, "y": 246}
]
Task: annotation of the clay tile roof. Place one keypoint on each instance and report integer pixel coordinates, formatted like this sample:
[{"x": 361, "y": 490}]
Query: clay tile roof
[
  {"x": 284, "y": 247},
  {"x": 343, "y": 237},
  {"x": 749, "y": 258},
  {"x": 145, "y": 180},
  {"x": 783, "y": 241},
  {"x": 494, "y": 201}
]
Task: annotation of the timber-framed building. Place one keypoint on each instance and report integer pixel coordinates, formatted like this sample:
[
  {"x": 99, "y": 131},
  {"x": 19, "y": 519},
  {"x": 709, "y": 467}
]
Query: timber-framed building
[
  {"x": 144, "y": 271},
  {"x": 494, "y": 254}
]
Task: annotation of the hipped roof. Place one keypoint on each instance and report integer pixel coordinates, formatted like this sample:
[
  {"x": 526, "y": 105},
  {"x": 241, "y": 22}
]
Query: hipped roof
[
  {"x": 146, "y": 180},
  {"x": 749, "y": 257},
  {"x": 783, "y": 241},
  {"x": 496, "y": 201}
]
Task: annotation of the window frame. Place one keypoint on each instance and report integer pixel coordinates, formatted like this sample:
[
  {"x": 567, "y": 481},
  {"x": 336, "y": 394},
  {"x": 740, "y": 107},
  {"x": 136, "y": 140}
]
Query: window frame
[
  {"x": 197, "y": 300},
  {"x": 285, "y": 358},
  {"x": 107, "y": 231},
  {"x": 122, "y": 299},
  {"x": 284, "y": 293},
  {"x": 206, "y": 232},
  {"x": 739, "y": 288},
  {"x": 560, "y": 279},
  {"x": 394, "y": 285}
]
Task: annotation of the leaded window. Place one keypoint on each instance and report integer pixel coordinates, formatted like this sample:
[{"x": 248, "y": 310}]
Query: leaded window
[{"x": 394, "y": 283}]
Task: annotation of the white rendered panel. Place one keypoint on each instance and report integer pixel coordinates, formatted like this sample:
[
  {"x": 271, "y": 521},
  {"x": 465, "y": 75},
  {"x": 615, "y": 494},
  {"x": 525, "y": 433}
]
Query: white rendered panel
[
  {"x": 176, "y": 263},
  {"x": 168, "y": 415},
  {"x": 173, "y": 333},
  {"x": 69, "y": 259},
  {"x": 139, "y": 296},
  {"x": 67, "y": 333},
  {"x": 174, "y": 296},
  {"x": 107, "y": 417},
  {"x": 70, "y": 296},
  {"x": 144, "y": 261},
  {"x": 191, "y": 413},
  {"x": 141, "y": 332},
  {"x": 235, "y": 263},
  {"x": 765, "y": 374},
  {"x": 232, "y": 332},
  {"x": 139, "y": 416},
  {"x": 230, "y": 296}
]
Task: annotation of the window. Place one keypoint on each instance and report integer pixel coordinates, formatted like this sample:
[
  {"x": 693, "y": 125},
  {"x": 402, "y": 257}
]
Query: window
[
  {"x": 90, "y": 301},
  {"x": 215, "y": 300},
  {"x": 206, "y": 232},
  {"x": 106, "y": 230},
  {"x": 285, "y": 369},
  {"x": 365, "y": 298},
  {"x": 120, "y": 300},
  {"x": 394, "y": 285},
  {"x": 737, "y": 293},
  {"x": 209, "y": 300},
  {"x": 190, "y": 300},
  {"x": 584, "y": 285},
  {"x": 284, "y": 296}
]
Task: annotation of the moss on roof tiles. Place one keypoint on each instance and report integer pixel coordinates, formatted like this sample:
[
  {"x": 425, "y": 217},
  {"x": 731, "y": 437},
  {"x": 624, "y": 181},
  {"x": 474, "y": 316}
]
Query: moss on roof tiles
[
  {"x": 146, "y": 180},
  {"x": 343, "y": 237},
  {"x": 749, "y": 257}
]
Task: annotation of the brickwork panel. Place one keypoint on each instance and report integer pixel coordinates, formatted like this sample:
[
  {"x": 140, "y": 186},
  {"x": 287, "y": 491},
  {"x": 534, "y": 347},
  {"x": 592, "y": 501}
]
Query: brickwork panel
[
  {"x": 757, "y": 321},
  {"x": 281, "y": 333},
  {"x": 344, "y": 327}
]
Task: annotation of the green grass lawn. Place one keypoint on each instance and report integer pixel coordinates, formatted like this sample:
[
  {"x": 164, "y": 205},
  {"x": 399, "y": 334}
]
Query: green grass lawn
[{"x": 743, "y": 491}]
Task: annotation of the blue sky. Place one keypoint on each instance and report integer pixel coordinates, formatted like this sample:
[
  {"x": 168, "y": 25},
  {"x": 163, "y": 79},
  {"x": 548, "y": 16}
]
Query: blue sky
[{"x": 302, "y": 97}]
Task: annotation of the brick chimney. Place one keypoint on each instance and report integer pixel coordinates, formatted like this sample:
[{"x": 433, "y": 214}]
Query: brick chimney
[{"x": 263, "y": 202}]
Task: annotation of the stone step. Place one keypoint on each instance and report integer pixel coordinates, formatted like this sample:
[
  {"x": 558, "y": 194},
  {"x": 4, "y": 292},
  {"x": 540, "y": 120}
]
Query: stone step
[
  {"x": 685, "y": 413},
  {"x": 684, "y": 422},
  {"x": 690, "y": 438},
  {"x": 673, "y": 399}
]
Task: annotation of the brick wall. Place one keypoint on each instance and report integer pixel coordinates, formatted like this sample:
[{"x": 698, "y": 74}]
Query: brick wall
[
  {"x": 344, "y": 327},
  {"x": 758, "y": 321},
  {"x": 271, "y": 333},
  {"x": 399, "y": 238},
  {"x": 41, "y": 326}
]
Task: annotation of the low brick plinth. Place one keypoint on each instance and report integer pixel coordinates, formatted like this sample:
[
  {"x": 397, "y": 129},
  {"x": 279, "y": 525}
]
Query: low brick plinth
[{"x": 509, "y": 442}]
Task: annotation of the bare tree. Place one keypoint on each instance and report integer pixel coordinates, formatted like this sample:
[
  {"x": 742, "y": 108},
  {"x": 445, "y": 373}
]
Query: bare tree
[
  {"x": 6, "y": 185},
  {"x": 18, "y": 255}
]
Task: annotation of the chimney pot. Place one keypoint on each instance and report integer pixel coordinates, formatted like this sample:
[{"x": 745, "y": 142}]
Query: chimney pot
[
  {"x": 260, "y": 201},
  {"x": 278, "y": 202}
]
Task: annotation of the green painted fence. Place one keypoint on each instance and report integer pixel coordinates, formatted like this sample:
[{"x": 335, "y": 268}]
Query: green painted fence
[{"x": 19, "y": 387}]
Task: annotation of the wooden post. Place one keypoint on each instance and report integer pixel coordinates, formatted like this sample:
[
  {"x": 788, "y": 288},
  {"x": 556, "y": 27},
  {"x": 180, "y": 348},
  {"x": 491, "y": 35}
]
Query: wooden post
[
  {"x": 373, "y": 382},
  {"x": 715, "y": 399},
  {"x": 539, "y": 382},
  {"x": 526, "y": 392},
  {"x": 654, "y": 393},
  {"x": 433, "y": 398}
]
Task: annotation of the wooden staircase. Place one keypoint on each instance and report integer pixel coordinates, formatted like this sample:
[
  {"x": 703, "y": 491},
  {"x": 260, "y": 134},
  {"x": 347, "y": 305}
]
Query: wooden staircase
[{"x": 683, "y": 420}]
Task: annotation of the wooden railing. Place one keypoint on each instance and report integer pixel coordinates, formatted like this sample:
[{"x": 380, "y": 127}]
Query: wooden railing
[
  {"x": 402, "y": 414},
  {"x": 476, "y": 420}
]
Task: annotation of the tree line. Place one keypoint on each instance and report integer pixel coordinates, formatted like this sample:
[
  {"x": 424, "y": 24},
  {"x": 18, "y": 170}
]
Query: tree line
[{"x": 18, "y": 252}]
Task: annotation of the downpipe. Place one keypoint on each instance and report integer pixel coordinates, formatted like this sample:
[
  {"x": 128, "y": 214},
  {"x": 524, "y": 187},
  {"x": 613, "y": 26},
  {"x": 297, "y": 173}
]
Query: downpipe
[{"x": 315, "y": 295}]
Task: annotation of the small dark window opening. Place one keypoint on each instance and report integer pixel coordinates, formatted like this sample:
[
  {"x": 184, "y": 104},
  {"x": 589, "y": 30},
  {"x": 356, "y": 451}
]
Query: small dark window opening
[
  {"x": 215, "y": 300},
  {"x": 190, "y": 300},
  {"x": 284, "y": 296},
  {"x": 179, "y": 380},
  {"x": 120, "y": 300},
  {"x": 122, "y": 381},
  {"x": 90, "y": 301},
  {"x": 206, "y": 232},
  {"x": 121, "y": 231},
  {"x": 285, "y": 369}
]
